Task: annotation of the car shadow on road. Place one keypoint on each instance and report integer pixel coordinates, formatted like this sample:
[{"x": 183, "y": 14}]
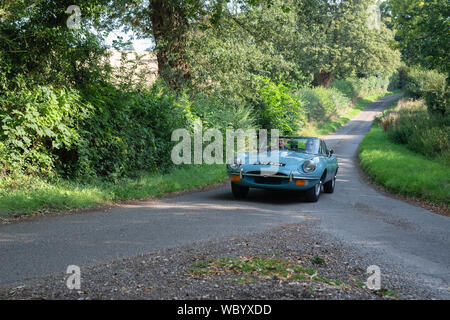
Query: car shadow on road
[{"x": 276, "y": 197}]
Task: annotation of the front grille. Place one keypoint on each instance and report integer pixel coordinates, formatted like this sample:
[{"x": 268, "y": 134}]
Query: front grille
[
  {"x": 268, "y": 180},
  {"x": 263, "y": 173}
]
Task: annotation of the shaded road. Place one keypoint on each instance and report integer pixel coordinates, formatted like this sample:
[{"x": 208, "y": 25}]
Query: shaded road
[{"x": 413, "y": 240}]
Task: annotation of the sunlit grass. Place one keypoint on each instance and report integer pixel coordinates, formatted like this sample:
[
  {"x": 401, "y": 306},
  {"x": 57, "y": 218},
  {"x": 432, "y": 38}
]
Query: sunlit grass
[
  {"x": 402, "y": 171},
  {"x": 27, "y": 195}
]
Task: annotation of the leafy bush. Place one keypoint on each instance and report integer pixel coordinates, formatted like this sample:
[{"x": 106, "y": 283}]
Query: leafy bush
[
  {"x": 432, "y": 86},
  {"x": 432, "y": 141},
  {"x": 280, "y": 109},
  {"x": 129, "y": 131},
  {"x": 36, "y": 123},
  {"x": 359, "y": 87},
  {"x": 101, "y": 132},
  {"x": 220, "y": 113},
  {"x": 369, "y": 85},
  {"x": 398, "y": 79},
  {"x": 322, "y": 104},
  {"x": 346, "y": 87}
]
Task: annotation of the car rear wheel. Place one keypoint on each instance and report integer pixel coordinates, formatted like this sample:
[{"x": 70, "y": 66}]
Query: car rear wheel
[
  {"x": 238, "y": 191},
  {"x": 312, "y": 195},
  {"x": 329, "y": 186}
]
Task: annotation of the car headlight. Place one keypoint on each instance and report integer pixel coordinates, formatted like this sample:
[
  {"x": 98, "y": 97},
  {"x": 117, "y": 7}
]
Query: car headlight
[
  {"x": 237, "y": 162},
  {"x": 309, "y": 166}
]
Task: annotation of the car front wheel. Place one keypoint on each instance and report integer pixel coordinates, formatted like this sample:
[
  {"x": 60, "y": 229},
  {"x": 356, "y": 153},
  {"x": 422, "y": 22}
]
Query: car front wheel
[
  {"x": 329, "y": 186},
  {"x": 312, "y": 195},
  {"x": 238, "y": 191}
]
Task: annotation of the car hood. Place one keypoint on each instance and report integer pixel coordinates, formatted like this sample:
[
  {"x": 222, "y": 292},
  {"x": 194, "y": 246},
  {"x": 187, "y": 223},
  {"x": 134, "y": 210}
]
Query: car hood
[{"x": 286, "y": 157}]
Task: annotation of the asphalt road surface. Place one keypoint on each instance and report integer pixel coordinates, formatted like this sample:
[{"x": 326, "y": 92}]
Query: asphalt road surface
[{"x": 411, "y": 239}]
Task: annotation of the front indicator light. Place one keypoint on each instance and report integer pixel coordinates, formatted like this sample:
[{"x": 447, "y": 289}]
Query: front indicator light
[
  {"x": 235, "y": 178},
  {"x": 300, "y": 182}
]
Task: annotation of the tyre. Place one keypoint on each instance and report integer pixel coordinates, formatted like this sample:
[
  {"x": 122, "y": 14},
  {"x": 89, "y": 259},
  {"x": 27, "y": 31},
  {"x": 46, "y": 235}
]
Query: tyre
[
  {"x": 312, "y": 195},
  {"x": 329, "y": 186},
  {"x": 238, "y": 191}
]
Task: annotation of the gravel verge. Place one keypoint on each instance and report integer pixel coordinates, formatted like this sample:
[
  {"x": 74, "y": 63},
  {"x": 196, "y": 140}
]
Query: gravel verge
[{"x": 167, "y": 274}]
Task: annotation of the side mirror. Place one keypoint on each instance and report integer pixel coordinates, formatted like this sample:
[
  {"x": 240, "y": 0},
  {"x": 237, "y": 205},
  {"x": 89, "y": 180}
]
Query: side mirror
[{"x": 331, "y": 152}]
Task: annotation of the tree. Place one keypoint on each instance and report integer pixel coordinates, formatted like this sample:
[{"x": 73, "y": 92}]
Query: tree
[
  {"x": 247, "y": 43},
  {"x": 423, "y": 31},
  {"x": 337, "y": 40},
  {"x": 169, "y": 22},
  {"x": 37, "y": 44},
  {"x": 294, "y": 39}
]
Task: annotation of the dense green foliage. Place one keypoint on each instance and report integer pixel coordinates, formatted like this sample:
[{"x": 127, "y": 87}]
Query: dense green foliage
[
  {"x": 432, "y": 86},
  {"x": 423, "y": 29},
  {"x": 37, "y": 47},
  {"x": 280, "y": 109},
  {"x": 36, "y": 124},
  {"x": 128, "y": 131},
  {"x": 295, "y": 65},
  {"x": 298, "y": 40}
]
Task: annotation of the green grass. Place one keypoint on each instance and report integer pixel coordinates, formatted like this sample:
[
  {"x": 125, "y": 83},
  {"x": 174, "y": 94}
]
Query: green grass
[
  {"x": 402, "y": 171},
  {"x": 254, "y": 267},
  {"x": 383, "y": 292},
  {"x": 317, "y": 260},
  {"x": 324, "y": 128},
  {"x": 27, "y": 195}
]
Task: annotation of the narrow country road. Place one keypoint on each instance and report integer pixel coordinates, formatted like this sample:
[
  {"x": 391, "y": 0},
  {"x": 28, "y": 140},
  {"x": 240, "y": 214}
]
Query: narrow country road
[{"x": 412, "y": 240}]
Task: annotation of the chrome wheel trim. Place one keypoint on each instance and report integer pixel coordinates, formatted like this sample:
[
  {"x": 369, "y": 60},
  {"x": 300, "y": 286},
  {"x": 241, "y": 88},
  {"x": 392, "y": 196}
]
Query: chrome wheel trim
[{"x": 317, "y": 189}]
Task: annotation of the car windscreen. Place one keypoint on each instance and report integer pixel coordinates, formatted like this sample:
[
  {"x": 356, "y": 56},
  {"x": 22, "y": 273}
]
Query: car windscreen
[{"x": 309, "y": 145}]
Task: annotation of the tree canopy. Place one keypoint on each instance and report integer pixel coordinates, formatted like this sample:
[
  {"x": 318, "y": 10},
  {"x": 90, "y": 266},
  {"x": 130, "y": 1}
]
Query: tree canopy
[{"x": 423, "y": 31}]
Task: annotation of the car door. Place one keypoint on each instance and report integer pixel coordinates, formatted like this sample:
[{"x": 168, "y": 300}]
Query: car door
[{"x": 330, "y": 160}]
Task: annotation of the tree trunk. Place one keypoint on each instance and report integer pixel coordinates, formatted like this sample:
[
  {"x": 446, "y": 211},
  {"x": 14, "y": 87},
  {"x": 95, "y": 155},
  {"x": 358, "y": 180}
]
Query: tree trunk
[
  {"x": 170, "y": 27},
  {"x": 323, "y": 79}
]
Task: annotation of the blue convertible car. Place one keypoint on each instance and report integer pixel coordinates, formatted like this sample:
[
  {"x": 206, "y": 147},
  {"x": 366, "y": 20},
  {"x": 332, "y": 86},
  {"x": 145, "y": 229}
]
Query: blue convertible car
[{"x": 300, "y": 163}]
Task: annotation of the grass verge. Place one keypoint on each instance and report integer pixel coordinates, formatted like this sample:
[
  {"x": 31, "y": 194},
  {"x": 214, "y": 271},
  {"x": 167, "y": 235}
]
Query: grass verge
[
  {"x": 27, "y": 195},
  {"x": 402, "y": 171}
]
